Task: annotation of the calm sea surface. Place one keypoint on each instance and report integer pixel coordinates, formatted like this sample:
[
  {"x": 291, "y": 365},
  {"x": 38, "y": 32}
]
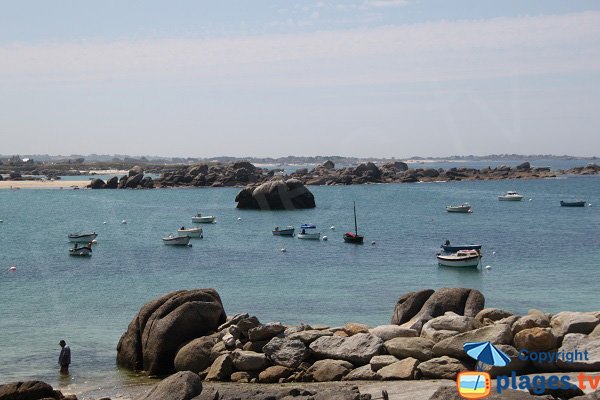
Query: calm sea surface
[{"x": 541, "y": 256}]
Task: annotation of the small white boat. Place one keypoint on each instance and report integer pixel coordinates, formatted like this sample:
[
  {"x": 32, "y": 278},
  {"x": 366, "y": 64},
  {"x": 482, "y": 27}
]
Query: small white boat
[
  {"x": 511, "y": 196},
  {"x": 84, "y": 237},
  {"x": 462, "y": 258},
  {"x": 307, "y": 232},
  {"x": 204, "y": 219},
  {"x": 286, "y": 231},
  {"x": 191, "y": 232},
  {"x": 463, "y": 208},
  {"x": 85, "y": 251},
  {"x": 176, "y": 240}
]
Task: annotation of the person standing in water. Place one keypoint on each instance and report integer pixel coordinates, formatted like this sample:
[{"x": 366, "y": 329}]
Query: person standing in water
[{"x": 65, "y": 357}]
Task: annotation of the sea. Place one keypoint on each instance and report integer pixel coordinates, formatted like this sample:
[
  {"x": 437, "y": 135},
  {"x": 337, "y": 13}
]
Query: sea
[{"x": 536, "y": 254}]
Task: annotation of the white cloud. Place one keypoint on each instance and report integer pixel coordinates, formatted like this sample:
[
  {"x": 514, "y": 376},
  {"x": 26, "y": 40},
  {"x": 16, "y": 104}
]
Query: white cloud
[
  {"x": 386, "y": 3},
  {"x": 434, "y": 51}
]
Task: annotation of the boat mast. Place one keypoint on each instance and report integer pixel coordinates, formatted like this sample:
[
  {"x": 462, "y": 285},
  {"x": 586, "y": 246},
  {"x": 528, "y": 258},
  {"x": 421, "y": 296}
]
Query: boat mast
[{"x": 355, "y": 228}]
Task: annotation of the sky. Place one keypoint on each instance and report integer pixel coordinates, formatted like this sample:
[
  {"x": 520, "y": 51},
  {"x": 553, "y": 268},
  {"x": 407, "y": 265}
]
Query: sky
[{"x": 263, "y": 78}]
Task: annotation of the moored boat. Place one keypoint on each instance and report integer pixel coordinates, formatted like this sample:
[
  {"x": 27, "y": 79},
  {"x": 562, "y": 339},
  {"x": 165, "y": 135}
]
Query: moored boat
[
  {"x": 354, "y": 238},
  {"x": 448, "y": 248},
  {"x": 462, "y": 258},
  {"x": 176, "y": 240},
  {"x": 463, "y": 208},
  {"x": 286, "y": 231},
  {"x": 306, "y": 232},
  {"x": 204, "y": 219},
  {"x": 83, "y": 237},
  {"x": 191, "y": 232},
  {"x": 85, "y": 251},
  {"x": 578, "y": 203},
  {"x": 511, "y": 196}
]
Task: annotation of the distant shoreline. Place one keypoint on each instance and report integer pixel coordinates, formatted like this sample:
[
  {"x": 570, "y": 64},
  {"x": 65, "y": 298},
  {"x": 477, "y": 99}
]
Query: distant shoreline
[{"x": 39, "y": 184}]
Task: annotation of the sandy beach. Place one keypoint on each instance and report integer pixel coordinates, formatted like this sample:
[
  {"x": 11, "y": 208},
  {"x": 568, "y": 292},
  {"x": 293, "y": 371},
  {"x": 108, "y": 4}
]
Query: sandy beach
[{"x": 43, "y": 184}]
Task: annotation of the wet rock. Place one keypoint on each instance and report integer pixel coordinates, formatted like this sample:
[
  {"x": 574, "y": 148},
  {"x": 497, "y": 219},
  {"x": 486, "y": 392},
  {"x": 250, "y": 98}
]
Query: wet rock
[
  {"x": 179, "y": 386},
  {"x": 276, "y": 195},
  {"x": 164, "y": 325}
]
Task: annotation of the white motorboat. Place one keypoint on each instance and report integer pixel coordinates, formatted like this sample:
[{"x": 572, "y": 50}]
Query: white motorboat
[
  {"x": 463, "y": 208},
  {"x": 204, "y": 219},
  {"x": 462, "y": 258},
  {"x": 85, "y": 251},
  {"x": 307, "y": 232},
  {"x": 191, "y": 232},
  {"x": 511, "y": 196},
  {"x": 285, "y": 231},
  {"x": 83, "y": 237},
  {"x": 176, "y": 240}
]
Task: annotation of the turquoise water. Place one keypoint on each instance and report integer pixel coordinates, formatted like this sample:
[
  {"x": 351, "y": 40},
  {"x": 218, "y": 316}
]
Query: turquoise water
[{"x": 542, "y": 256}]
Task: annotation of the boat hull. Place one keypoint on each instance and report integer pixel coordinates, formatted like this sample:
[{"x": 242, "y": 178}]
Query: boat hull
[
  {"x": 204, "y": 220},
  {"x": 510, "y": 198},
  {"x": 572, "y": 203},
  {"x": 458, "y": 209},
  {"x": 82, "y": 238},
  {"x": 283, "y": 232},
  {"x": 354, "y": 239},
  {"x": 454, "y": 249},
  {"x": 177, "y": 240},
  {"x": 80, "y": 252},
  {"x": 310, "y": 236},
  {"x": 456, "y": 261},
  {"x": 193, "y": 232}
]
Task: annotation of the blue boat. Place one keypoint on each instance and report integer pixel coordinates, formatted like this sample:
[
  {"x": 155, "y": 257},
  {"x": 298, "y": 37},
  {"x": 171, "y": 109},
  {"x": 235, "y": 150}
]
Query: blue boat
[{"x": 448, "y": 248}]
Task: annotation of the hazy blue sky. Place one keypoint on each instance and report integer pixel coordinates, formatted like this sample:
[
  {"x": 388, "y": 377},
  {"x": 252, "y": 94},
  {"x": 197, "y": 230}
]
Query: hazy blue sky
[{"x": 387, "y": 78}]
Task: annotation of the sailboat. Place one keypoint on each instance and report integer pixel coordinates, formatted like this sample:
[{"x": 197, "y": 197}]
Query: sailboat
[{"x": 355, "y": 238}]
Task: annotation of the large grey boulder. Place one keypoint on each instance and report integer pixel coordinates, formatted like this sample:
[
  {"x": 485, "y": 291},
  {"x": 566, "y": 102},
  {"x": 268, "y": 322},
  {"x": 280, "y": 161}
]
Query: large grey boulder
[
  {"x": 135, "y": 170},
  {"x": 404, "y": 369},
  {"x": 96, "y": 184},
  {"x": 164, "y": 325},
  {"x": 409, "y": 304},
  {"x": 448, "y": 325},
  {"x": 572, "y": 322},
  {"x": 328, "y": 370},
  {"x": 276, "y": 195},
  {"x": 416, "y": 347},
  {"x": 133, "y": 181},
  {"x": 249, "y": 360},
  {"x": 453, "y": 346},
  {"x": 29, "y": 390},
  {"x": 588, "y": 344},
  {"x": 442, "y": 368},
  {"x": 287, "y": 352},
  {"x": 309, "y": 336},
  {"x": 387, "y": 332},
  {"x": 461, "y": 301},
  {"x": 357, "y": 349},
  {"x": 195, "y": 356},
  {"x": 179, "y": 386},
  {"x": 112, "y": 183},
  {"x": 265, "y": 332}
]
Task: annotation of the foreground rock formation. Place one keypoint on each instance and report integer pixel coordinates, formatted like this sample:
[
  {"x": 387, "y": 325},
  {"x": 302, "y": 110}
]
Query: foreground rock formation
[{"x": 188, "y": 331}]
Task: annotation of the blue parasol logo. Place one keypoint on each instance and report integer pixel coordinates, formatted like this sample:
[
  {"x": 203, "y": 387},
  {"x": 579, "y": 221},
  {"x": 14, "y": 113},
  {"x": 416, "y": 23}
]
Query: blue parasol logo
[{"x": 486, "y": 353}]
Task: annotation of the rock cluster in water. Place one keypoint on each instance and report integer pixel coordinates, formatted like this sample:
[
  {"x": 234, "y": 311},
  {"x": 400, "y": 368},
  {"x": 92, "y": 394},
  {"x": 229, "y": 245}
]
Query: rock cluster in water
[
  {"x": 276, "y": 195},
  {"x": 188, "y": 331},
  {"x": 244, "y": 173}
]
